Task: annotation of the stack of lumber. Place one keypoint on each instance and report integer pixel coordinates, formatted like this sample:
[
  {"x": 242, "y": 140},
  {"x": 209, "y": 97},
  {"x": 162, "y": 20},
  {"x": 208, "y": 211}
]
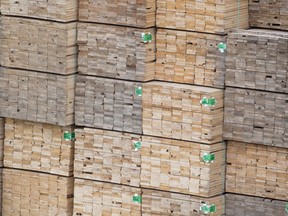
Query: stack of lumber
[
  {"x": 257, "y": 170},
  {"x": 29, "y": 193},
  {"x": 116, "y": 52},
  {"x": 150, "y": 162},
  {"x": 213, "y": 16},
  {"x": 38, "y": 147},
  {"x": 183, "y": 112},
  {"x": 251, "y": 206},
  {"x": 268, "y": 14},
  {"x": 121, "y": 12},
  {"x": 36, "y": 96},
  {"x": 190, "y": 57},
  {"x": 108, "y": 104}
]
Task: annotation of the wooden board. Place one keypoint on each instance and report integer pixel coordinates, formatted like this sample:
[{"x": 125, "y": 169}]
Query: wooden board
[
  {"x": 116, "y": 52},
  {"x": 138, "y": 13},
  {"x": 268, "y": 14},
  {"x": 58, "y": 10},
  {"x": 190, "y": 57},
  {"x": 1, "y": 189},
  {"x": 97, "y": 198},
  {"x": 1, "y": 153},
  {"x": 38, "y": 45},
  {"x": 33, "y": 194},
  {"x": 108, "y": 104},
  {"x": 257, "y": 170},
  {"x": 164, "y": 203},
  {"x": 175, "y": 111},
  {"x": 210, "y": 16},
  {"x": 258, "y": 59},
  {"x": 237, "y": 205},
  {"x": 2, "y": 125},
  {"x": 38, "y": 147},
  {"x": 256, "y": 116},
  {"x": 38, "y": 97}
]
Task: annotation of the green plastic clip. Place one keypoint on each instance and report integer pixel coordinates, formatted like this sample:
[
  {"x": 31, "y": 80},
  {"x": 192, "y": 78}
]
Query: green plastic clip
[
  {"x": 208, "y": 102},
  {"x": 222, "y": 47},
  {"x": 286, "y": 208},
  {"x": 137, "y": 145},
  {"x": 137, "y": 198},
  {"x": 207, "y": 209},
  {"x": 138, "y": 91},
  {"x": 208, "y": 158},
  {"x": 146, "y": 37},
  {"x": 69, "y": 136}
]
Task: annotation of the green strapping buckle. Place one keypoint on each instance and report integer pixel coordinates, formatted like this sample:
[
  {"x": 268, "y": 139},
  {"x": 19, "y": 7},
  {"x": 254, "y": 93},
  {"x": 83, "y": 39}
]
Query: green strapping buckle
[
  {"x": 286, "y": 208},
  {"x": 137, "y": 145},
  {"x": 146, "y": 37},
  {"x": 208, "y": 102},
  {"x": 222, "y": 47},
  {"x": 208, "y": 158},
  {"x": 138, "y": 91},
  {"x": 207, "y": 209},
  {"x": 137, "y": 198},
  {"x": 69, "y": 136}
]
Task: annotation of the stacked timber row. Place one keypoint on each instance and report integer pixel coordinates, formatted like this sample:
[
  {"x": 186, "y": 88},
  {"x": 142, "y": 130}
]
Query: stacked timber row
[
  {"x": 38, "y": 72},
  {"x": 256, "y": 108}
]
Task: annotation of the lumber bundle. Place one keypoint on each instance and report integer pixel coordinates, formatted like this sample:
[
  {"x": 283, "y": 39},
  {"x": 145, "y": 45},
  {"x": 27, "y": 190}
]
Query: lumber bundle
[
  {"x": 256, "y": 116},
  {"x": 252, "y": 206},
  {"x": 97, "y": 198},
  {"x": 189, "y": 57},
  {"x": 38, "y": 45},
  {"x": 116, "y": 51},
  {"x": 164, "y": 203},
  {"x": 33, "y": 194},
  {"x": 268, "y": 14},
  {"x": 107, "y": 156},
  {"x": 140, "y": 13},
  {"x": 204, "y": 16},
  {"x": 39, "y": 97},
  {"x": 257, "y": 59},
  {"x": 108, "y": 104},
  {"x": 257, "y": 170},
  {"x": 58, "y": 10},
  {"x": 38, "y": 147},
  {"x": 183, "y": 112}
]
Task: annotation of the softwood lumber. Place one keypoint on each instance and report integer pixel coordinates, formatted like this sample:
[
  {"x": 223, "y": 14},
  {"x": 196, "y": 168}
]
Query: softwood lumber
[
  {"x": 108, "y": 104},
  {"x": 1, "y": 191},
  {"x": 2, "y": 125},
  {"x": 190, "y": 57},
  {"x": 185, "y": 112},
  {"x": 38, "y": 147},
  {"x": 58, "y": 10},
  {"x": 268, "y": 14},
  {"x": 2, "y": 120},
  {"x": 210, "y": 16},
  {"x": 257, "y": 170},
  {"x": 258, "y": 59},
  {"x": 116, "y": 52},
  {"x": 38, "y": 97},
  {"x": 32, "y": 194},
  {"x": 38, "y": 45},
  {"x": 237, "y": 204},
  {"x": 98, "y": 198},
  {"x": 137, "y": 13},
  {"x": 256, "y": 116}
]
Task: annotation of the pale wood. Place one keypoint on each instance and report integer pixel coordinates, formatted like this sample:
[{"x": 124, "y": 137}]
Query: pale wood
[
  {"x": 257, "y": 170},
  {"x": 258, "y": 59},
  {"x": 33, "y": 194},
  {"x": 38, "y": 147},
  {"x": 58, "y": 10},
  {"x": 137, "y": 13},
  {"x": 116, "y": 52},
  {"x": 256, "y": 116},
  {"x": 174, "y": 111},
  {"x": 268, "y": 14},
  {"x": 189, "y": 57},
  {"x": 1, "y": 189},
  {"x": 39, "y": 97},
  {"x": 38, "y": 45},
  {"x": 2, "y": 125},
  {"x": 2, "y": 120},
  {"x": 210, "y": 16}
]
